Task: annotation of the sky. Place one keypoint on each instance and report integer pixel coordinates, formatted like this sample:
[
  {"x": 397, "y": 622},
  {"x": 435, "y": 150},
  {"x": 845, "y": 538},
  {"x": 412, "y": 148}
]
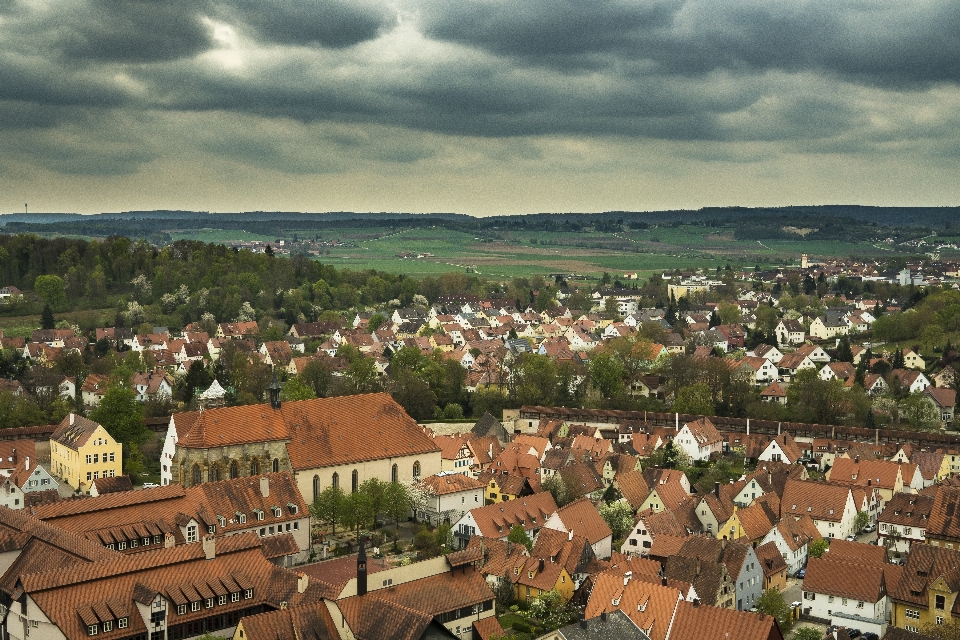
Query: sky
[{"x": 477, "y": 106}]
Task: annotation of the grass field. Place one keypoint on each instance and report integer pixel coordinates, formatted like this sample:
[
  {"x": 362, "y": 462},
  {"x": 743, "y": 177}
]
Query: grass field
[{"x": 521, "y": 253}]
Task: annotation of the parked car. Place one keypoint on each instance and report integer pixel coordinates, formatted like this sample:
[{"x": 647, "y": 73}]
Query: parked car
[
  {"x": 853, "y": 633},
  {"x": 870, "y": 528},
  {"x": 870, "y": 635},
  {"x": 802, "y": 573},
  {"x": 851, "y": 538},
  {"x": 150, "y": 485}
]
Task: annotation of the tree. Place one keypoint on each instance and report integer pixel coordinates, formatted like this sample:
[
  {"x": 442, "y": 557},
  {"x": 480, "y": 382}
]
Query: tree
[
  {"x": 329, "y": 506},
  {"x": 197, "y": 378},
  {"x": 503, "y": 592},
  {"x": 47, "y": 321},
  {"x": 121, "y": 414},
  {"x": 50, "y": 289},
  {"x": 861, "y": 520},
  {"x": 606, "y": 374},
  {"x": 818, "y": 548},
  {"x": 807, "y": 633},
  {"x": 357, "y": 512},
  {"x": 135, "y": 461},
  {"x": 618, "y": 516},
  {"x": 296, "y": 389},
  {"x": 669, "y": 456},
  {"x": 375, "y": 322},
  {"x": 397, "y": 501},
  {"x": 697, "y": 399},
  {"x": 771, "y": 602},
  {"x": 844, "y": 352},
  {"x": 920, "y": 412},
  {"x": 949, "y": 630},
  {"x": 317, "y": 376},
  {"x": 812, "y": 399},
  {"x": 519, "y": 536},
  {"x": 487, "y": 400},
  {"x": 557, "y": 488},
  {"x": 376, "y": 490},
  {"x": 413, "y": 394}
]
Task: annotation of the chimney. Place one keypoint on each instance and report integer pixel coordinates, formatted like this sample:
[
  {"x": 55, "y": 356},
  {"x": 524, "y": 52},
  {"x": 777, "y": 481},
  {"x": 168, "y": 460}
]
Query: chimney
[
  {"x": 209, "y": 547},
  {"x": 71, "y": 419},
  {"x": 13, "y": 456},
  {"x": 769, "y": 477},
  {"x": 169, "y": 541},
  {"x": 716, "y": 489},
  {"x": 570, "y": 535},
  {"x": 696, "y": 602},
  {"x": 663, "y": 581},
  {"x": 26, "y": 463},
  {"x": 540, "y": 566},
  {"x": 856, "y": 459},
  {"x": 626, "y": 577},
  {"x": 362, "y": 570},
  {"x": 265, "y": 486},
  {"x": 698, "y": 566},
  {"x": 603, "y": 616},
  {"x": 303, "y": 580}
]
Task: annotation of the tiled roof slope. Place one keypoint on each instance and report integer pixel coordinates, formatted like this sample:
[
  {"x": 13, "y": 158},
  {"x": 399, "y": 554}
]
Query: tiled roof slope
[
  {"x": 531, "y": 512},
  {"x": 908, "y": 510},
  {"x": 924, "y": 566},
  {"x": 816, "y": 499},
  {"x": 116, "y": 517},
  {"x": 699, "y": 622},
  {"x": 75, "y": 546},
  {"x": 649, "y": 605},
  {"x": 425, "y": 597},
  {"x": 771, "y": 560},
  {"x": 838, "y": 577},
  {"x": 581, "y": 517},
  {"x": 71, "y": 596},
  {"x": 944, "y": 521},
  {"x": 306, "y": 622},
  {"x": 74, "y": 431},
  {"x": 320, "y": 432}
]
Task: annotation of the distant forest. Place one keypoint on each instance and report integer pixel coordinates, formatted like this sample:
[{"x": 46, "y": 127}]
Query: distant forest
[{"x": 834, "y": 222}]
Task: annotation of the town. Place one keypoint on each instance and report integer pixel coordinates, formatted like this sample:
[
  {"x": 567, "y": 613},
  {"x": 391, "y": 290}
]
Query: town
[{"x": 255, "y": 445}]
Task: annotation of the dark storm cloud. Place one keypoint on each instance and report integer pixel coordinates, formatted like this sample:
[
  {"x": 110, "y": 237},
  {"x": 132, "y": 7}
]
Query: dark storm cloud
[
  {"x": 882, "y": 43},
  {"x": 806, "y": 75},
  {"x": 330, "y": 23},
  {"x": 132, "y": 31}
]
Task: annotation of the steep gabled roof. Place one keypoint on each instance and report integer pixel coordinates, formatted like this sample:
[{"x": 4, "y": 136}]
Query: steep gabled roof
[
  {"x": 531, "y": 512},
  {"x": 581, "y": 517}
]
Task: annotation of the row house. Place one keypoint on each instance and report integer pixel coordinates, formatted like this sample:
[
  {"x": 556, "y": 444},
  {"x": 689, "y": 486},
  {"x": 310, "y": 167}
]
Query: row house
[{"x": 904, "y": 521}]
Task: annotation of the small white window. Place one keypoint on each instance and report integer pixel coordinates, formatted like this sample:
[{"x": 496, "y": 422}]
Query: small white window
[
  {"x": 195, "y": 606},
  {"x": 92, "y": 629},
  {"x": 248, "y": 594},
  {"x": 108, "y": 626},
  {"x": 122, "y": 623},
  {"x": 222, "y": 600},
  {"x": 181, "y": 609}
]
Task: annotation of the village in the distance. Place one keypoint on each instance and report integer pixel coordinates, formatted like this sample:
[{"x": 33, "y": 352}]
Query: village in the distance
[{"x": 258, "y": 446}]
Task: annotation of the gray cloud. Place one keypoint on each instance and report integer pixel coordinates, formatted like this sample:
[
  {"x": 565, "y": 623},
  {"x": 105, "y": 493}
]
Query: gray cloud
[
  {"x": 330, "y": 23},
  {"x": 837, "y": 77}
]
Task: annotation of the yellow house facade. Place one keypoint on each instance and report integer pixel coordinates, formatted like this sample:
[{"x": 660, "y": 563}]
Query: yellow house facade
[
  {"x": 81, "y": 451},
  {"x": 732, "y": 529}
]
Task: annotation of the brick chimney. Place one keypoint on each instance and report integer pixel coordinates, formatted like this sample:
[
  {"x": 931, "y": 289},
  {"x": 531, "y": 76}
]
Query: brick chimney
[
  {"x": 209, "y": 547},
  {"x": 265, "y": 486}
]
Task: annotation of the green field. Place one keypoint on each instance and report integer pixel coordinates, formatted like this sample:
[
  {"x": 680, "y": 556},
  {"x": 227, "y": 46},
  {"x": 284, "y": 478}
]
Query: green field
[{"x": 505, "y": 254}]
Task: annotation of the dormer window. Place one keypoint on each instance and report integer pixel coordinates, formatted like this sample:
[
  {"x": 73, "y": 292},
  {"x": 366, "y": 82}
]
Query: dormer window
[
  {"x": 276, "y": 512},
  {"x": 292, "y": 508},
  {"x": 241, "y": 518},
  {"x": 258, "y": 513},
  {"x": 221, "y": 521}
]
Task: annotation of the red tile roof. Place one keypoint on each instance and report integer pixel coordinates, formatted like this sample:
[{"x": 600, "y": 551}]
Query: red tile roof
[
  {"x": 319, "y": 433},
  {"x": 699, "y": 622}
]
